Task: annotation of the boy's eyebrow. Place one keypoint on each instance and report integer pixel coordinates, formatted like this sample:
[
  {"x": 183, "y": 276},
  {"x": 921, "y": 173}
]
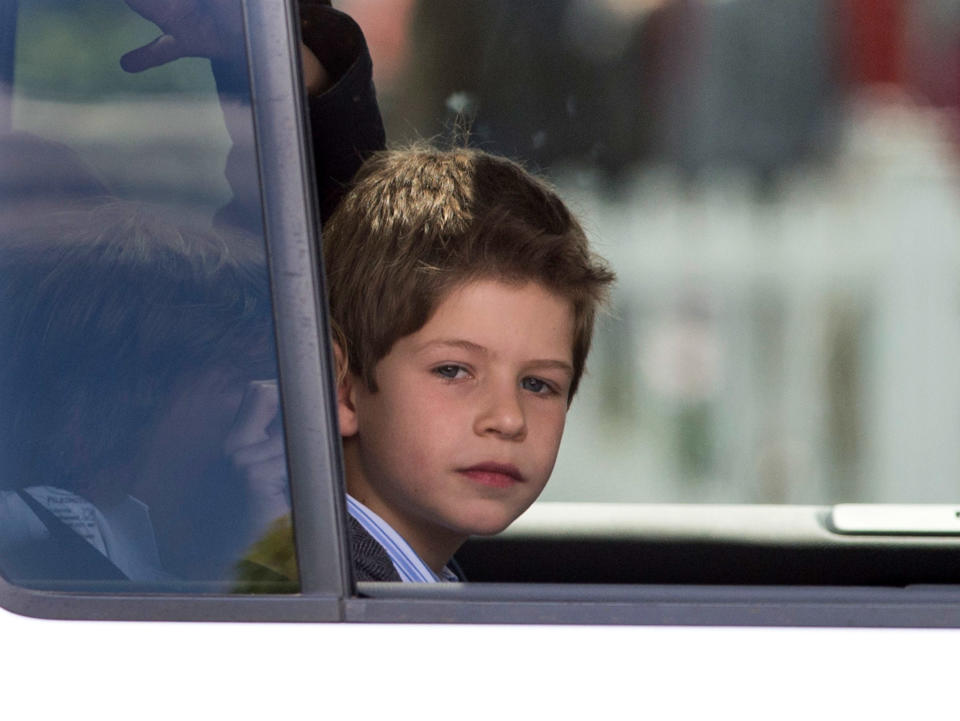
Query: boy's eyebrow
[
  {"x": 477, "y": 348},
  {"x": 454, "y": 343}
]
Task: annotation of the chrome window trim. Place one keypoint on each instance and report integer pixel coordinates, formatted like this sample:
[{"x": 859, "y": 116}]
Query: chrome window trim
[
  {"x": 674, "y": 605},
  {"x": 306, "y": 376}
]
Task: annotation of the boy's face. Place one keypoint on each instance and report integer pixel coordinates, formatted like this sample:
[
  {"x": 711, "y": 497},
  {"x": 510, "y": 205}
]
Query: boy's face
[{"x": 463, "y": 431}]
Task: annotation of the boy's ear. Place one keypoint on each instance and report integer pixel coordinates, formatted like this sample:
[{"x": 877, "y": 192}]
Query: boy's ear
[{"x": 346, "y": 407}]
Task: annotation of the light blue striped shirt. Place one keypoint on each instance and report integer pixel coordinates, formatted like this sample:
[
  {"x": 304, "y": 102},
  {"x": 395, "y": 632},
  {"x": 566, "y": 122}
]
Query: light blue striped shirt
[{"x": 409, "y": 565}]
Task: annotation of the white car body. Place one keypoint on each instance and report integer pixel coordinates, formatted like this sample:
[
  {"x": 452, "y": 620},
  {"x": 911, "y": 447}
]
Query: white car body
[{"x": 145, "y": 670}]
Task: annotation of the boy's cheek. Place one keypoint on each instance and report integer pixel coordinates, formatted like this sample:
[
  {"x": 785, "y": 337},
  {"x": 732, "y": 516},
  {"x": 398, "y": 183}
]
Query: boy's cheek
[
  {"x": 556, "y": 422},
  {"x": 552, "y": 447}
]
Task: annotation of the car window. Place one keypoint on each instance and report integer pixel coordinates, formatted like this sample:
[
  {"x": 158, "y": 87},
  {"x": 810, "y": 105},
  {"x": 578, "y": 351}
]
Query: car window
[
  {"x": 141, "y": 434},
  {"x": 775, "y": 184},
  {"x": 771, "y": 182}
]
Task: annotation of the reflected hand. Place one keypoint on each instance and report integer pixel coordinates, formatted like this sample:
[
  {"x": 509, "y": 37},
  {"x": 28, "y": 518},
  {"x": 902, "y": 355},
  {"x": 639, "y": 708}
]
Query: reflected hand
[
  {"x": 255, "y": 448},
  {"x": 205, "y": 29},
  {"x": 191, "y": 28}
]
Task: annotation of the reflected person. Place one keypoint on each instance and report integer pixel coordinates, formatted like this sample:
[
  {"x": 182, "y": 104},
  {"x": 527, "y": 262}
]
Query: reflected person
[{"x": 133, "y": 410}]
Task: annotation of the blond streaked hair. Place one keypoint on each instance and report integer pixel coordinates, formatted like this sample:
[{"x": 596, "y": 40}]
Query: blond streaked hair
[{"x": 420, "y": 221}]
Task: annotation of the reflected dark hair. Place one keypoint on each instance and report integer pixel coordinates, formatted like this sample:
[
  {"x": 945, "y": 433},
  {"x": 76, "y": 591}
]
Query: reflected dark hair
[{"x": 102, "y": 311}]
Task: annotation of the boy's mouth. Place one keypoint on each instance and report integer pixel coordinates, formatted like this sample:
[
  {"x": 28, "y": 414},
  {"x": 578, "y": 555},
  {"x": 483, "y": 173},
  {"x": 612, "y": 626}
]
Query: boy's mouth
[{"x": 499, "y": 475}]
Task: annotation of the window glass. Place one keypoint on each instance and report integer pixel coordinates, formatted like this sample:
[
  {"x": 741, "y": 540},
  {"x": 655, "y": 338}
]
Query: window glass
[
  {"x": 776, "y": 184},
  {"x": 141, "y": 442}
]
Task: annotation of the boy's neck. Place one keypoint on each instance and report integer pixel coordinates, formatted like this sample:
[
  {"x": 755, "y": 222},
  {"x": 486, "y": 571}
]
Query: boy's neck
[{"x": 434, "y": 544}]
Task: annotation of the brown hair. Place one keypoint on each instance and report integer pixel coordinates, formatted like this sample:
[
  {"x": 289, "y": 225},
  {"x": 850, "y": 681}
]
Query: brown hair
[{"x": 417, "y": 222}]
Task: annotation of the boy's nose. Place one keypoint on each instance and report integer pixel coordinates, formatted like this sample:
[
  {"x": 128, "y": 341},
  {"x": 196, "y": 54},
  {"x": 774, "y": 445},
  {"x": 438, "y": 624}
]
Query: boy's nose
[{"x": 502, "y": 415}]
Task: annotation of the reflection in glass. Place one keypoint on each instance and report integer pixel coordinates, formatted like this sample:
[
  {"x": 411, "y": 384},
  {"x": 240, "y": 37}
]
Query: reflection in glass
[
  {"x": 132, "y": 393},
  {"x": 141, "y": 437}
]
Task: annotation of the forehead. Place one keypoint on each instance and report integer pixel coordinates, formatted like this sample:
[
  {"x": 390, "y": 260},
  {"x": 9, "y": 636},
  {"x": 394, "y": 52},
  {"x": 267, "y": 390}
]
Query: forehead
[{"x": 524, "y": 317}]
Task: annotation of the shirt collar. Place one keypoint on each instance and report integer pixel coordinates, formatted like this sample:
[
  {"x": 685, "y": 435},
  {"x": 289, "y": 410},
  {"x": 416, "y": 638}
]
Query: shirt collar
[{"x": 409, "y": 565}]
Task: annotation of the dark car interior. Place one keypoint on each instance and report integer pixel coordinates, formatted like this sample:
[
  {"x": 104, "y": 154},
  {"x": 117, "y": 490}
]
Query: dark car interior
[{"x": 717, "y": 545}]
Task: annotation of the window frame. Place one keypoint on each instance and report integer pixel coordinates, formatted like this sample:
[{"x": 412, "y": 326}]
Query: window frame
[{"x": 656, "y": 605}]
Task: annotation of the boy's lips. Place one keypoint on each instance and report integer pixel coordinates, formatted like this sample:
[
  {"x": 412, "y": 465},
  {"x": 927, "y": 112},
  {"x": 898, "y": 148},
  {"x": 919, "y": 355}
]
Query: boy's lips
[{"x": 500, "y": 475}]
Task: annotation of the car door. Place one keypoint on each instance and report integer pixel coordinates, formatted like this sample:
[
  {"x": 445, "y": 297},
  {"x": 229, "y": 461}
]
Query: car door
[{"x": 582, "y": 609}]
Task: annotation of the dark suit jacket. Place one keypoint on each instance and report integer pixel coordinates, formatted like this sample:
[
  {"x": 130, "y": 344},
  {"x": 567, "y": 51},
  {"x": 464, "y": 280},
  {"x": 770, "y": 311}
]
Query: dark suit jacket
[
  {"x": 372, "y": 563},
  {"x": 370, "y": 560}
]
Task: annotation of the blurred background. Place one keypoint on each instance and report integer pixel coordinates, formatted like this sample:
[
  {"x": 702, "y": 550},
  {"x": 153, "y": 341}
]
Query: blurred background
[{"x": 775, "y": 182}]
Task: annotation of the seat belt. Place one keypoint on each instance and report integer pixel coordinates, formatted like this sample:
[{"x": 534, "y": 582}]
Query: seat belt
[{"x": 74, "y": 549}]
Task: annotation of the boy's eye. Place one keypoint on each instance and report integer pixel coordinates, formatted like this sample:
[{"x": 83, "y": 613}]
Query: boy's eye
[
  {"x": 536, "y": 385},
  {"x": 451, "y": 371}
]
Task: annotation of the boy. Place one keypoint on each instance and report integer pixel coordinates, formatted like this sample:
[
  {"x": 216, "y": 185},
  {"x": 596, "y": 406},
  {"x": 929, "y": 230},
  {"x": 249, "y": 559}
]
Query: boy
[{"x": 463, "y": 294}]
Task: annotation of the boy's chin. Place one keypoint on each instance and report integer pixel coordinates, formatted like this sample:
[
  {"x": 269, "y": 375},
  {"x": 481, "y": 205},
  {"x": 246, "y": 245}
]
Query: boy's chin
[
  {"x": 489, "y": 531},
  {"x": 488, "y": 525}
]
